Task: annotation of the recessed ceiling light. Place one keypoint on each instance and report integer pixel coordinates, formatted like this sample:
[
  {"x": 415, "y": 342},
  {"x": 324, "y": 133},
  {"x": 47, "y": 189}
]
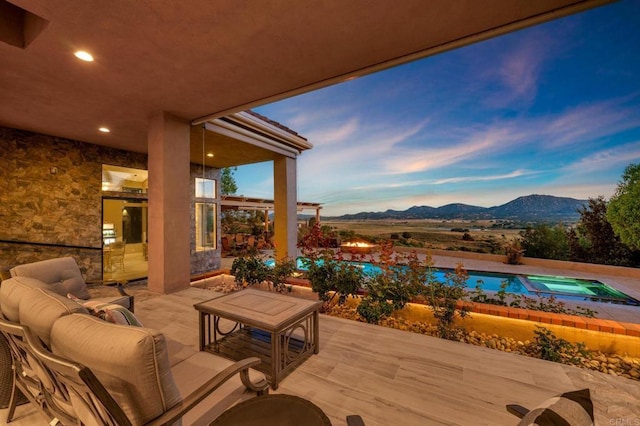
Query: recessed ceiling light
[
  {"x": 104, "y": 129},
  {"x": 210, "y": 154},
  {"x": 84, "y": 56}
]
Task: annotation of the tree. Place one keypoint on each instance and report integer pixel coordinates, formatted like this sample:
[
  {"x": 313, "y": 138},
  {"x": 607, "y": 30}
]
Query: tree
[
  {"x": 623, "y": 211},
  {"x": 545, "y": 242},
  {"x": 593, "y": 239},
  {"x": 228, "y": 184}
]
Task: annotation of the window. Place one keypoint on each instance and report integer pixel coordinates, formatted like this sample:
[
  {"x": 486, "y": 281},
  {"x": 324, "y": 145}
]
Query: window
[
  {"x": 205, "y": 226},
  {"x": 124, "y": 179},
  {"x": 205, "y": 188},
  {"x": 205, "y": 194}
]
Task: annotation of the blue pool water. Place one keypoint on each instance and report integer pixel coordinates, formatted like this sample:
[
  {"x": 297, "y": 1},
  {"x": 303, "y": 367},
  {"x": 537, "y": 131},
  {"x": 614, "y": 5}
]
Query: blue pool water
[{"x": 544, "y": 285}]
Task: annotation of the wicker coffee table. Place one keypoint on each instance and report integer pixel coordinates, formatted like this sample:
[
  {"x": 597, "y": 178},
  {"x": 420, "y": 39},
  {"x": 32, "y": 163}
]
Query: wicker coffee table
[{"x": 281, "y": 330}]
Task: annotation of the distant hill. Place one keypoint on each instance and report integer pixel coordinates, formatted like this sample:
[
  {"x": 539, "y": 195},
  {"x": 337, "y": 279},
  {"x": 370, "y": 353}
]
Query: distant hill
[{"x": 527, "y": 208}]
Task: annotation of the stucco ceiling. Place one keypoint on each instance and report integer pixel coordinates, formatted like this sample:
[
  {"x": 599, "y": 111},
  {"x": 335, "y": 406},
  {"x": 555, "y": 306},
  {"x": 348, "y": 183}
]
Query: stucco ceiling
[{"x": 197, "y": 58}]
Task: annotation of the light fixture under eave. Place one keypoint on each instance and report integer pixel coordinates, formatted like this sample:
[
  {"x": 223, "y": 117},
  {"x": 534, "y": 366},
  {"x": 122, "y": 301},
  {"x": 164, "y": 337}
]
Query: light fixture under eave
[
  {"x": 210, "y": 154},
  {"x": 104, "y": 129},
  {"x": 83, "y": 56}
]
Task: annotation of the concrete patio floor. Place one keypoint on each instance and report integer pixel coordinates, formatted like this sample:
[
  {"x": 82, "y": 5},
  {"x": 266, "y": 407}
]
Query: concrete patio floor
[{"x": 393, "y": 377}]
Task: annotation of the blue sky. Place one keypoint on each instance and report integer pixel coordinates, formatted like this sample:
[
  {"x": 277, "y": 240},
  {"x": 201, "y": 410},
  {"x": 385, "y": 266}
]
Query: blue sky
[{"x": 552, "y": 109}]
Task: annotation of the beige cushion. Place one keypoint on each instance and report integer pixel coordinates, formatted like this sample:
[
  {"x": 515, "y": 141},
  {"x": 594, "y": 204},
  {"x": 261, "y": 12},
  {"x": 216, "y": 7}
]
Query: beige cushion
[
  {"x": 40, "y": 309},
  {"x": 63, "y": 274},
  {"x": 12, "y": 291},
  {"x": 124, "y": 301},
  {"x": 131, "y": 362}
]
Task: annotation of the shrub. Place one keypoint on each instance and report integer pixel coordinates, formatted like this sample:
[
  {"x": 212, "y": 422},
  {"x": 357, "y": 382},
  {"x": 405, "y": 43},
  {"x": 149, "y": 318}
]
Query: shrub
[
  {"x": 402, "y": 278},
  {"x": 250, "y": 270},
  {"x": 331, "y": 277},
  {"x": 514, "y": 252},
  {"x": 548, "y": 346},
  {"x": 444, "y": 298},
  {"x": 282, "y": 270}
]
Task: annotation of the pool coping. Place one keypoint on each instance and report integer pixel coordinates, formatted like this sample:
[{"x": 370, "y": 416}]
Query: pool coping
[{"x": 567, "y": 320}]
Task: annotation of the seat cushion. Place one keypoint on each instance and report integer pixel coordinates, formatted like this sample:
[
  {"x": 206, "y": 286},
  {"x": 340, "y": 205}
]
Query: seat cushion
[
  {"x": 12, "y": 291},
  {"x": 63, "y": 274},
  {"x": 110, "y": 312},
  {"x": 131, "y": 362},
  {"x": 40, "y": 309},
  {"x": 124, "y": 301}
]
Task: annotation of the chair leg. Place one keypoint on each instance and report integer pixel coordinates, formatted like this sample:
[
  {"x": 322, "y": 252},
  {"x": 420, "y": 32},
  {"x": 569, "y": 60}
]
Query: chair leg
[
  {"x": 517, "y": 410},
  {"x": 354, "y": 420}
]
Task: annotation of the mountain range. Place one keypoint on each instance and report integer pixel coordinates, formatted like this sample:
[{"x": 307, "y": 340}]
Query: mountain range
[{"x": 526, "y": 208}]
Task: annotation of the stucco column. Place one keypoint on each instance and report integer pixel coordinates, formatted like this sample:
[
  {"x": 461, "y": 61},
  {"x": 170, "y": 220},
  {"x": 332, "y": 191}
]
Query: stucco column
[
  {"x": 169, "y": 198},
  {"x": 285, "y": 207}
]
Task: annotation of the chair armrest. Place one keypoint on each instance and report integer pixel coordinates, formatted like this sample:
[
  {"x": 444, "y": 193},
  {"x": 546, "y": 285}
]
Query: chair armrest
[
  {"x": 176, "y": 412},
  {"x": 119, "y": 284}
]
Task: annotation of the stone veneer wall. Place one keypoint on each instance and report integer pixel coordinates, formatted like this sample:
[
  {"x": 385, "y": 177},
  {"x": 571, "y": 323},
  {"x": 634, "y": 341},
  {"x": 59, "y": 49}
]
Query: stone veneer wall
[{"x": 51, "y": 200}]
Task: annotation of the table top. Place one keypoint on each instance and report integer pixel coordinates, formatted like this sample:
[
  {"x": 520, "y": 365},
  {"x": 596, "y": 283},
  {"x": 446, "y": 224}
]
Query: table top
[
  {"x": 263, "y": 309},
  {"x": 273, "y": 409}
]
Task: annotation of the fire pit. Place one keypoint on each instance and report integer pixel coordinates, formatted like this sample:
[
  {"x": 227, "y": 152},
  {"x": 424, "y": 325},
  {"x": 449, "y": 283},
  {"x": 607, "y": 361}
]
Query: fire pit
[{"x": 357, "y": 247}]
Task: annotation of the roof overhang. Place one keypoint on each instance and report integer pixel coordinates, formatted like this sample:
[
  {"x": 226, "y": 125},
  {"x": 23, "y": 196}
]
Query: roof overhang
[
  {"x": 243, "y": 138},
  {"x": 201, "y": 60}
]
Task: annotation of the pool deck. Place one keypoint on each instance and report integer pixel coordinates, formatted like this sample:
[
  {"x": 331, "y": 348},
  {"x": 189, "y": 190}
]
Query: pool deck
[{"x": 393, "y": 377}]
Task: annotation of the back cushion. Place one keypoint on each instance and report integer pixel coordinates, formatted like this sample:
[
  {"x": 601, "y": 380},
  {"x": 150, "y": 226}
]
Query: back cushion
[
  {"x": 12, "y": 291},
  {"x": 131, "y": 362},
  {"x": 40, "y": 309},
  {"x": 63, "y": 274}
]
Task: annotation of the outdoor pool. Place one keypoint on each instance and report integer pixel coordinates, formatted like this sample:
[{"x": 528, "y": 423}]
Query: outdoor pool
[{"x": 529, "y": 285}]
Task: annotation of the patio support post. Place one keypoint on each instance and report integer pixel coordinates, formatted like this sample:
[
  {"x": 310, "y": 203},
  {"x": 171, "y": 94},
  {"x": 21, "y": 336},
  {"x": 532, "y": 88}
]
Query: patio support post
[
  {"x": 169, "y": 198},
  {"x": 285, "y": 207}
]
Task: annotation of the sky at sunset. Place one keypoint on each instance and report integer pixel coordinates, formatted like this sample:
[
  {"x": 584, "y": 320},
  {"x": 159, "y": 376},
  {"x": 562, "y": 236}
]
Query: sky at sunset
[{"x": 553, "y": 109}]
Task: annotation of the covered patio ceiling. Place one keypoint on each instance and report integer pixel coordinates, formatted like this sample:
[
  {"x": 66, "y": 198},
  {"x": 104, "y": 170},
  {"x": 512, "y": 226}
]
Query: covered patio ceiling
[{"x": 205, "y": 59}]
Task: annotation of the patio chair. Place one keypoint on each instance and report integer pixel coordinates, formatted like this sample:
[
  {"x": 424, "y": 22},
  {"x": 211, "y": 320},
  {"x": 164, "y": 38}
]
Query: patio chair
[
  {"x": 116, "y": 255},
  {"x": 63, "y": 276},
  {"x": 574, "y": 408},
  {"x": 23, "y": 365},
  {"x": 111, "y": 390}
]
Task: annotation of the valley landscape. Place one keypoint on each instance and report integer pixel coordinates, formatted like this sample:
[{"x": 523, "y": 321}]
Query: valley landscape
[{"x": 457, "y": 226}]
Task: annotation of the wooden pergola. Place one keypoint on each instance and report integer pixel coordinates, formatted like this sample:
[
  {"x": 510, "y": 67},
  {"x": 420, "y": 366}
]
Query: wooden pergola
[{"x": 239, "y": 202}]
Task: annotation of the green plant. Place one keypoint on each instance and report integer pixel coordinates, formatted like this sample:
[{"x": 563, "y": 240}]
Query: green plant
[
  {"x": 331, "y": 277},
  {"x": 401, "y": 279},
  {"x": 444, "y": 298},
  {"x": 478, "y": 295},
  {"x": 551, "y": 348},
  {"x": 623, "y": 211},
  {"x": 540, "y": 303},
  {"x": 250, "y": 270},
  {"x": 283, "y": 269}
]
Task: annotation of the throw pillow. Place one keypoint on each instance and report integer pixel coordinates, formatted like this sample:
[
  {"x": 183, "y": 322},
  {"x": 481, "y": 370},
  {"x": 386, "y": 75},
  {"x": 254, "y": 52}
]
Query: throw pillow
[
  {"x": 109, "y": 312},
  {"x": 571, "y": 409}
]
